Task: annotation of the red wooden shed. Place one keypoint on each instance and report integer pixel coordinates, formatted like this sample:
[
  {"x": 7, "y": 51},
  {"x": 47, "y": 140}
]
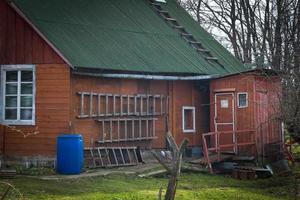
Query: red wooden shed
[{"x": 245, "y": 116}]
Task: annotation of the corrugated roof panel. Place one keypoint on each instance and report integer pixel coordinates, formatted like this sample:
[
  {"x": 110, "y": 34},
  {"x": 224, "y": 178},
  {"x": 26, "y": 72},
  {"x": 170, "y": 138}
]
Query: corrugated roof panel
[
  {"x": 122, "y": 35},
  {"x": 231, "y": 63}
]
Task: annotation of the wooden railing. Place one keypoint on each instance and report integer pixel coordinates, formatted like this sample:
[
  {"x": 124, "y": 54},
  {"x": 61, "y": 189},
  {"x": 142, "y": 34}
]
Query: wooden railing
[{"x": 218, "y": 146}]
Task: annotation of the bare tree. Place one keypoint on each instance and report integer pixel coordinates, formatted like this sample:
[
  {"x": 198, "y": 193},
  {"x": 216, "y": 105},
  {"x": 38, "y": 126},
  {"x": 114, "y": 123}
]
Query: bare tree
[{"x": 265, "y": 33}]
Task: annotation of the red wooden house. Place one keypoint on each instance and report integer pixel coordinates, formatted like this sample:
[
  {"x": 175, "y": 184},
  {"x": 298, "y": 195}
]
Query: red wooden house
[{"x": 122, "y": 73}]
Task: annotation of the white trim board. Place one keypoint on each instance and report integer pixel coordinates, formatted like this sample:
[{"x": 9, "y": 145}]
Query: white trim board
[{"x": 192, "y": 108}]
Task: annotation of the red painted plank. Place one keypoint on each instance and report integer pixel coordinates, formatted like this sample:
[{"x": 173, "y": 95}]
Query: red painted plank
[
  {"x": 20, "y": 40},
  {"x": 19, "y": 43}
]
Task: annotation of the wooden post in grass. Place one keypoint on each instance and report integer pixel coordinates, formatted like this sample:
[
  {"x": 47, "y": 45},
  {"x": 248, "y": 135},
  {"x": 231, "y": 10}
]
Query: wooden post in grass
[{"x": 174, "y": 168}]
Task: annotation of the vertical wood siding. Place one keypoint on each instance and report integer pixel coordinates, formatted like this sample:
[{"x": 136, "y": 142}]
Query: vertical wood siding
[
  {"x": 263, "y": 105},
  {"x": 52, "y": 113},
  {"x": 186, "y": 93},
  {"x": 19, "y": 43},
  {"x": 243, "y": 117},
  {"x": 181, "y": 93},
  {"x": 267, "y": 112},
  {"x": 241, "y": 83}
]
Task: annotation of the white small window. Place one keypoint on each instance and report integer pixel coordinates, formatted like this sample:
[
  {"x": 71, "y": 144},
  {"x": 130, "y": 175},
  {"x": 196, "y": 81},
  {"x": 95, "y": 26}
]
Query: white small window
[
  {"x": 188, "y": 119},
  {"x": 18, "y": 94},
  {"x": 242, "y": 100}
]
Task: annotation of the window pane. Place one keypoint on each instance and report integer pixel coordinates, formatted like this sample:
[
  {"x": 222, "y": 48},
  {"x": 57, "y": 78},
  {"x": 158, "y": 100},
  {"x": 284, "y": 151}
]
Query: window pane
[
  {"x": 188, "y": 123},
  {"x": 26, "y": 114},
  {"x": 11, "y": 101},
  {"x": 26, "y": 88},
  {"x": 11, "y": 76},
  {"x": 242, "y": 100},
  {"x": 11, "y": 88},
  {"x": 10, "y": 114},
  {"x": 188, "y": 119},
  {"x": 26, "y": 101},
  {"x": 26, "y": 76}
]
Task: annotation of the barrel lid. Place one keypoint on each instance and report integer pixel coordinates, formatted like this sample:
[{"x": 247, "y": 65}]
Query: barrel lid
[{"x": 70, "y": 135}]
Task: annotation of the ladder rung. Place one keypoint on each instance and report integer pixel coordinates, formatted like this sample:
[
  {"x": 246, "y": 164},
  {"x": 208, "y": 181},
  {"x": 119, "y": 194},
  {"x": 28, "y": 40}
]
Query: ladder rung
[
  {"x": 211, "y": 58},
  {"x": 163, "y": 11},
  {"x": 100, "y": 157},
  {"x": 135, "y": 155},
  {"x": 108, "y": 158},
  {"x": 122, "y": 156},
  {"x": 177, "y": 27},
  {"x": 115, "y": 157},
  {"x": 203, "y": 50},
  {"x": 154, "y": 4},
  {"x": 170, "y": 19},
  {"x": 194, "y": 42},
  {"x": 93, "y": 158},
  {"x": 129, "y": 156},
  {"x": 186, "y": 34}
]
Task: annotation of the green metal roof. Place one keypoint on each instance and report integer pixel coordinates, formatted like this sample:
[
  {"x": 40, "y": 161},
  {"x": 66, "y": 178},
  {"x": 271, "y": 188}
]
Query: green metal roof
[{"x": 124, "y": 35}]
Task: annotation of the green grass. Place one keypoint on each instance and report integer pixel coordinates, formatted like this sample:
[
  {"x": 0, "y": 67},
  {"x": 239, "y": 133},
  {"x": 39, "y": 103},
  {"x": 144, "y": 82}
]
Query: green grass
[{"x": 191, "y": 186}]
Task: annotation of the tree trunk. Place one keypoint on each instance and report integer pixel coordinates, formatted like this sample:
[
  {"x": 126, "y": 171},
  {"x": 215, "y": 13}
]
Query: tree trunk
[
  {"x": 174, "y": 170},
  {"x": 172, "y": 185}
]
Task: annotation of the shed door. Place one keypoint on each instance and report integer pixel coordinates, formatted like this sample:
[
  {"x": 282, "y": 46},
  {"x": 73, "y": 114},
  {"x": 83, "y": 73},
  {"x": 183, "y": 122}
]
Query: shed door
[{"x": 224, "y": 118}]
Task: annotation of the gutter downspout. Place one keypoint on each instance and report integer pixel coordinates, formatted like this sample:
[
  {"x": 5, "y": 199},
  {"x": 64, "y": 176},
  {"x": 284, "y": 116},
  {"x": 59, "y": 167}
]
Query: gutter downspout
[{"x": 148, "y": 77}]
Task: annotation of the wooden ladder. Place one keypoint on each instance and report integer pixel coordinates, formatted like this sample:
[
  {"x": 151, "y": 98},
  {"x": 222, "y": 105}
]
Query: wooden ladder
[
  {"x": 112, "y": 156},
  {"x": 188, "y": 37}
]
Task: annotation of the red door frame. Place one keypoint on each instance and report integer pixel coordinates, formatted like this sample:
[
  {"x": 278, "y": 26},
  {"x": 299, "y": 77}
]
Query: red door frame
[{"x": 233, "y": 115}]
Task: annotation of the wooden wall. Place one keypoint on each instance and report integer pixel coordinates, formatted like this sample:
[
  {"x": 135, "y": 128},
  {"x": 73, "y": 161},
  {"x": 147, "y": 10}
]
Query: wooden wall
[
  {"x": 19, "y": 43},
  {"x": 244, "y": 118},
  {"x": 264, "y": 93},
  {"x": 188, "y": 93},
  {"x": 267, "y": 112},
  {"x": 181, "y": 93},
  {"x": 56, "y": 91},
  {"x": 52, "y": 114}
]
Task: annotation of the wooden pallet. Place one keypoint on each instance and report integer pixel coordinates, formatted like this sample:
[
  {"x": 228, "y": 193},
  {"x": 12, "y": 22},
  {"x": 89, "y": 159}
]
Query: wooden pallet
[{"x": 112, "y": 156}]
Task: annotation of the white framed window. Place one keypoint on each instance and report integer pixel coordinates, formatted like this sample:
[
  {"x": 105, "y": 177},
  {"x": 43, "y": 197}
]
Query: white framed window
[
  {"x": 188, "y": 119},
  {"x": 242, "y": 99},
  {"x": 18, "y": 94}
]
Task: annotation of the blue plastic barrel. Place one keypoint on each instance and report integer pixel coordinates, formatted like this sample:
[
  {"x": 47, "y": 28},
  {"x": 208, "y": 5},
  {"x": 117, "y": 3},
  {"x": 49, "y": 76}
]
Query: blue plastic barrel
[{"x": 69, "y": 154}]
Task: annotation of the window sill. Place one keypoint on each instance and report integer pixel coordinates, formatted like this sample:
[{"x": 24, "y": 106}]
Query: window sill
[
  {"x": 189, "y": 131},
  {"x": 18, "y": 123}
]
